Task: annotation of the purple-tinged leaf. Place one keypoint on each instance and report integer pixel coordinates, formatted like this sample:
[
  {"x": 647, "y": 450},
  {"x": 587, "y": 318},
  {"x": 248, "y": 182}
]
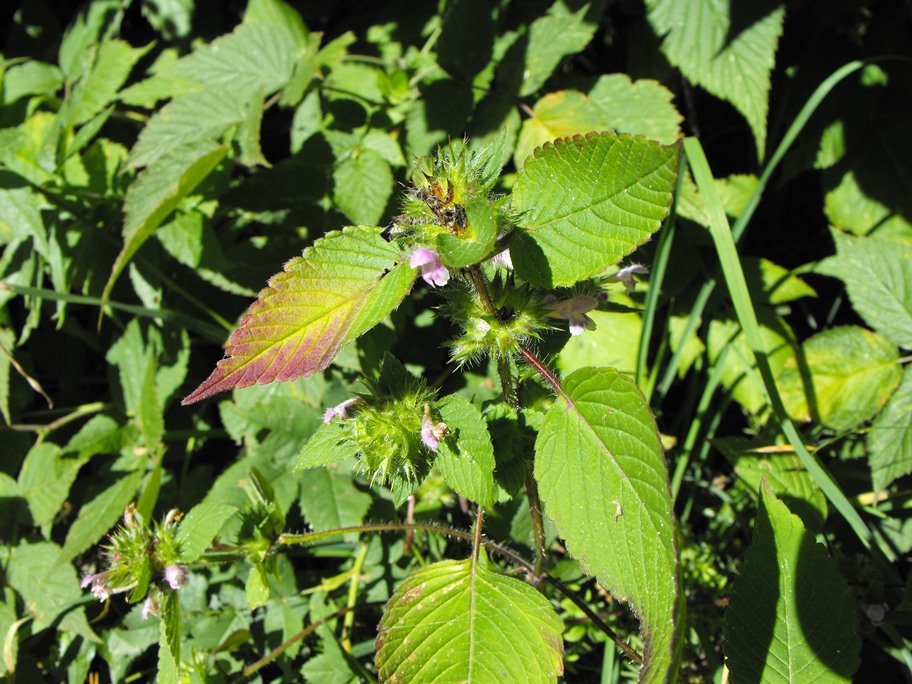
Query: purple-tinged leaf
[{"x": 342, "y": 286}]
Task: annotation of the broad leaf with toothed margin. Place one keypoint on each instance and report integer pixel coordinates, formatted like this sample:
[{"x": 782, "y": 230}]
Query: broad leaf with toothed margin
[
  {"x": 586, "y": 202},
  {"x": 791, "y": 616},
  {"x": 342, "y": 286},
  {"x": 457, "y": 621},
  {"x": 603, "y": 478}
]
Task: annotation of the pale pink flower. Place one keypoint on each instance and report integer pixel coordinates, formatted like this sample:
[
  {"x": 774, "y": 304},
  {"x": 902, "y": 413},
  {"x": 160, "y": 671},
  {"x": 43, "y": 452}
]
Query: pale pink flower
[
  {"x": 100, "y": 588},
  {"x": 434, "y": 273},
  {"x": 340, "y": 410},
  {"x": 625, "y": 275},
  {"x": 431, "y": 433},
  {"x": 150, "y": 607},
  {"x": 177, "y": 576},
  {"x": 503, "y": 259},
  {"x": 575, "y": 310}
]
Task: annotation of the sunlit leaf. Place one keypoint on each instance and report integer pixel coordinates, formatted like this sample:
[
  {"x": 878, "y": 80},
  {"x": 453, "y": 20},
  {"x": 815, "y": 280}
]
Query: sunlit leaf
[
  {"x": 791, "y": 617},
  {"x": 455, "y": 621},
  {"x": 602, "y": 475},
  {"x": 586, "y": 202},
  {"x": 341, "y": 287},
  {"x": 890, "y": 439}
]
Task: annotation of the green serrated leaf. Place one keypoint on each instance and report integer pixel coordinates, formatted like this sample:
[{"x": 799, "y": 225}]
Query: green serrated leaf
[
  {"x": 136, "y": 362},
  {"x": 586, "y": 202},
  {"x": 48, "y": 589},
  {"x": 784, "y": 474},
  {"x": 157, "y": 192},
  {"x": 602, "y": 475},
  {"x": 99, "y": 515},
  {"x": 496, "y": 628},
  {"x": 195, "y": 118},
  {"x": 45, "y": 480},
  {"x": 466, "y": 458},
  {"x": 253, "y": 56},
  {"x": 549, "y": 40},
  {"x": 341, "y": 287},
  {"x": 31, "y": 78},
  {"x": 198, "y": 528},
  {"x": 112, "y": 66},
  {"x": 878, "y": 277},
  {"x": 326, "y": 446},
  {"x": 890, "y": 439},
  {"x": 726, "y": 47},
  {"x": 95, "y": 24},
  {"x": 466, "y": 37},
  {"x": 363, "y": 185},
  {"x": 329, "y": 499},
  {"x": 615, "y": 103},
  {"x": 791, "y": 617},
  {"x": 852, "y": 374},
  {"x": 169, "y": 662}
]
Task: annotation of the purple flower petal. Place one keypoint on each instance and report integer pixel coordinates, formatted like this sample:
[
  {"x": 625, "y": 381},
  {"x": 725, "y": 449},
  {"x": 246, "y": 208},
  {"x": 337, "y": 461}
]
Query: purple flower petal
[
  {"x": 434, "y": 273},
  {"x": 431, "y": 434},
  {"x": 340, "y": 410},
  {"x": 177, "y": 576}
]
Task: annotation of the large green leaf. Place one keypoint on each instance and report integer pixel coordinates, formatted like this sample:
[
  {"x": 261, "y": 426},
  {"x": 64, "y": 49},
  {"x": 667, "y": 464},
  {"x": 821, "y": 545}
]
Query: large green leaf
[
  {"x": 890, "y": 439},
  {"x": 602, "y": 474},
  {"x": 549, "y": 39},
  {"x": 586, "y": 202},
  {"x": 466, "y": 459},
  {"x": 50, "y": 591},
  {"x": 200, "y": 116},
  {"x": 112, "y": 65},
  {"x": 341, "y": 287},
  {"x": 791, "y": 616},
  {"x": 198, "y": 528},
  {"x": 614, "y": 103},
  {"x": 786, "y": 477},
  {"x": 157, "y": 192},
  {"x": 363, "y": 184},
  {"x": 99, "y": 515},
  {"x": 878, "y": 277},
  {"x": 852, "y": 373},
  {"x": 330, "y": 499},
  {"x": 726, "y": 47},
  {"x": 455, "y": 621},
  {"x": 45, "y": 480}
]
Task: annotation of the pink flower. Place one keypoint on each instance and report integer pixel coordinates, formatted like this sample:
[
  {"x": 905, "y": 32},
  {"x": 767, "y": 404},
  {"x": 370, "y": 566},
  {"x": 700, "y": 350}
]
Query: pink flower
[
  {"x": 503, "y": 259},
  {"x": 431, "y": 434},
  {"x": 434, "y": 273},
  {"x": 100, "y": 588},
  {"x": 150, "y": 607},
  {"x": 625, "y": 275},
  {"x": 340, "y": 410},
  {"x": 177, "y": 576},
  {"x": 575, "y": 310}
]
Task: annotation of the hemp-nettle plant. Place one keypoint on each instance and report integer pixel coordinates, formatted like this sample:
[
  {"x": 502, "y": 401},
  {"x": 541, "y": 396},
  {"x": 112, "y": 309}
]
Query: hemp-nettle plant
[
  {"x": 516, "y": 275},
  {"x": 514, "y": 272}
]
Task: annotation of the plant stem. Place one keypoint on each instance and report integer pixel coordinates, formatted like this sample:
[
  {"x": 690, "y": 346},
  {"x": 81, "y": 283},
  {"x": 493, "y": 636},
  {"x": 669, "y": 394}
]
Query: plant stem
[
  {"x": 538, "y": 528},
  {"x": 476, "y": 541},
  {"x": 349, "y": 620}
]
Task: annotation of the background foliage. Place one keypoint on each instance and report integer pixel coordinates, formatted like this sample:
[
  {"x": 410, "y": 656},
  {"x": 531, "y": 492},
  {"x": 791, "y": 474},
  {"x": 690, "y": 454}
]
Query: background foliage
[{"x": 159, "y": 161}]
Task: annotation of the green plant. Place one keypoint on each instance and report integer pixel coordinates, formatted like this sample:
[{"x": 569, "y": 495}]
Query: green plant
[{"x": 451, "y": 414}]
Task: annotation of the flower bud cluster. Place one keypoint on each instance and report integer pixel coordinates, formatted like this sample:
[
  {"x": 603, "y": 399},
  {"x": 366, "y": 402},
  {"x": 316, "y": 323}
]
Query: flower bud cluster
[{"x": 135, "y": 554}]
